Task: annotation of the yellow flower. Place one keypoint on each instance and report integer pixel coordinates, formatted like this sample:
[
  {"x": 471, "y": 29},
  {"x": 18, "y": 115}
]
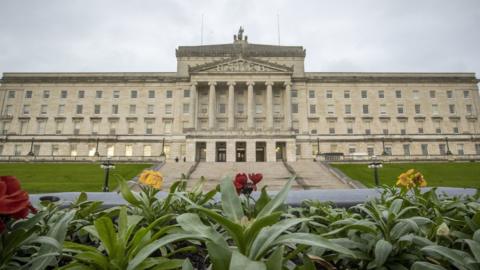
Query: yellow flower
[
  {"x": 151, "y": 178},
  {"x": 410, "y": 179}
]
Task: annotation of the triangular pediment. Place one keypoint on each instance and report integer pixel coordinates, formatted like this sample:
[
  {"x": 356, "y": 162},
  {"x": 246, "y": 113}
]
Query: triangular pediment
[{"x": 240, "y": 65}]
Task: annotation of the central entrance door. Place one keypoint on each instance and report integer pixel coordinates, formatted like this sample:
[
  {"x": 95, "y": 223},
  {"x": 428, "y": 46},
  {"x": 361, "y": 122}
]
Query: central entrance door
[
  {"x": 260, "y": 151},
  {"x": 201, "y": 151},
  {"x": 280, "y": 151},
  {"x": 221, "y": 155},
  {"x": 240, "y": 151}
]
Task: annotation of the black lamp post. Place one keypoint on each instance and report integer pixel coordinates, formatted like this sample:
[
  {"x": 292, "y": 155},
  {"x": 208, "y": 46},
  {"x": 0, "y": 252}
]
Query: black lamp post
[
  {"x": 384, "y": 153},
  {"x": 162, "y": 154},
  {"x": 31, "y": 153},
  {"x": 107, "y": 166},
  {"x": 375, "y": 165},
  {"x": 449, "y": 153},
  {"x": 97, "y": 154}
]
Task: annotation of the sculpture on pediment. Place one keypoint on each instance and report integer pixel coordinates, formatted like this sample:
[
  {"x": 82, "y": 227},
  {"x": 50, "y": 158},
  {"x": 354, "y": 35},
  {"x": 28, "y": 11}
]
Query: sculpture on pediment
[{"x": 239, "y": 36}]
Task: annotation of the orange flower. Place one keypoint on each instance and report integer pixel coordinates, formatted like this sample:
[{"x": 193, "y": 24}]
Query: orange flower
[{"x": 151, "y": 178}]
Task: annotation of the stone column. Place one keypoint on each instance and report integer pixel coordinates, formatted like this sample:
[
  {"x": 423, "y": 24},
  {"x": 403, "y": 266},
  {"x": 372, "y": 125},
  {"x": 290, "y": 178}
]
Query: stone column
[
  {"x": 250, "y": 106},
  {"x": 193, "y": 105},
  {"x": 269, "y": 108},
  {"x": 210, "y": 155},
  {"x": 251, "y": 154},
  {"x": 231, "y": 151},
  {"x": 288, "y": 106},
  {"x": 211, "y": 105},
  {"x": 231, "y": 105}
]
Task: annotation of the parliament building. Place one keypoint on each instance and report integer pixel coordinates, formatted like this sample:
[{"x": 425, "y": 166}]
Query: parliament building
[{"x": 238, "y": 102}]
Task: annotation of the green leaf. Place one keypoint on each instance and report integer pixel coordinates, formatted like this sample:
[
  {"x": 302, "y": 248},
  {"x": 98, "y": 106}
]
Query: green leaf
[
  {"x": 259, "y": 224},
  {"x": 187, "y": 265},
  {"x": 155, "y": 245},
  {"x": 127, "y": 193},
  {"x": 275, "y": 261},
  {"x": 426, "y": 266},
  {"x": 240, "y": 262},
  {"x": 95, "y": 258},
  {"x": 474, "y": 248},
  {"x": 231, "y": 204},
  {"x": 476, "y": 236},
  {"x": 219, "y": 255},
  {"x": 191, "y": 223},
  {"x": 444, "y": 252},
  {"x": 277, "y": 201},
  {"x": 262, "y": 200},
  {"x": 382, "y": 251},
  {"x": 313, "y": 240},
  {"x": 106, "y": 233}
]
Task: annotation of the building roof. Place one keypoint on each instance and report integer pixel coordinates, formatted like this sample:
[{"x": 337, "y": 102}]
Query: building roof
[{"x": 240, "y": 47}]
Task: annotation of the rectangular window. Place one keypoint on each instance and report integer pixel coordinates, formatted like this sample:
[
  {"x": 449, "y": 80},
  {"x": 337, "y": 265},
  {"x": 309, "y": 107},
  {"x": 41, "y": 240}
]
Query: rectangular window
[
  {"x": 26, "y": 109},
  {"x": 368, "y": 131},
  {"x": 425, "y": 149},
  {"x": 131, "y": 127},
  {"x": 364, "y": 93},
  {"x": 9, "y": 110},
  {"x": 240, "y": 108},
  {"x": 388, "y": 150},
  {"x": 370, "y": 151},
  {"x": 311, "y": 93},
  {"x": 116, "y": 94},
  {"x": 365, "y": 109},
  {"x": 23, "y": 126},
  {"x": 98, "y": 94},
  {"x": 434, "y": 109},
  {"x": 132, "y": 109},
  {"x": 79, "y": 109},
  {"x": 417, "y": 109},
  {"x": 28, "y": 94},
  {"x": 133, "y": 94},
  {"x": 18, "y": 150},
  {"x": 151, "y": 94},
  {"x": 43, "y": 109},
  {"x": 97, "y": 109},
  {"x": 477, "y": 148},
  {"x": 128, "y": 150},
  {"x": 150, "y": 109},
  {"x": 449, "y": 94},
  {"x": 73, "y": 150},
  {"x": 348, "y": 109},
  {"x": 416, "y": 94},
  {"x": 346, "y": 94},
  {"x": 168, "y": 108},
  {"x": 95, "y": 126},
  {"x": 41, "y": 124},
  {"x": 330, "y": 109},
  {"x": 455, "y": 130},
  {"x": 466, "y": 94},
  {"x": 167, "y": 128},
  {"x": 400, "y": 109},
  {"x": 186, "y": 93},
  {"x": 63, "y": 94},
  {"x": 403, "y": 131},
  {"x": 294, "y": 93},
  {"x": 441, "y": 149},
  {"x": 460, "y": 150},
  {"x": 222, "y": 108},
  {"x": 59, "y": 126},
  {"x": 406, "y": 149},
  {"x": 385, "y": 131},
  {"x": 469, "y": 109},
  {"x": 113, "y": 127},
  {"x": 149, "y": 127},
  {"x": 294, "y": 107},
  {"x": 438, "y": 130},
  {"x": 76, "y": 127},
  {"x": 451, "y": 108},
  {"x": 381, "y": 94},
  {"x": 169, "y": 93},
  {"x": 329, "y": 94},
  {"x": 115, "y": 109},
  {"x": 55, "y": 150},
  {"x": 81, "y": 94},
  {"x": 147, "y": 150},
  {"x": 331, "y": 130},
  {"x": 186, "y": 108},
  {"x": 46, "y": 93},
  {"x": 350, "y": 130},
  {"x": 383, "y": 109},
  {"x": 398, "y": 94},
  {"x": 61, "y": 109},
  {"x": 433, "y": 94},
  {"x": 313, "y": 109},
  {"x": 276, "y": 108}
]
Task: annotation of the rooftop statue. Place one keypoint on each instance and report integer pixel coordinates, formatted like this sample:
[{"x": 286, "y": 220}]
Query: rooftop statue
[{"x": 239, "y": 36}]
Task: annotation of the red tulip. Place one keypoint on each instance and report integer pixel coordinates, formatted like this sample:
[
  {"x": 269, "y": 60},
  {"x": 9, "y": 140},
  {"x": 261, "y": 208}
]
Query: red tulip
[
  {"x": 240, "y": 182},
  {"x": 255, "y": 177},
  {"x": 14, "y": 202}
]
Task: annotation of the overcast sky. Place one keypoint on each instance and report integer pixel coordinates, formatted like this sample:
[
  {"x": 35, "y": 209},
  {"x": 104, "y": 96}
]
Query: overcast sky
[{"x": 364, "y": 36}]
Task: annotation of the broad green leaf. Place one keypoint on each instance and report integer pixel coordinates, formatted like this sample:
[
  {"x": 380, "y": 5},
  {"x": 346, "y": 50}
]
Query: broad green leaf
[
  {"x": 444, "y": 252},
  {"x": 106, "y": 233},
  {"x": 396, "y": 206},
  {"x": 231, "y": 204},
  {"x": 268, "y": 235},
  {"x": 220, "y": 256},
  {"x": 277, "y": 201},
  {"x": 275, "y": 261},
  {"x": 191, "y": 223},
  {"x": 426, "y": 266},
  {"x": 259, "y": 224},
  {"x": 127, "y": 193},
  {"x": 160, "y": 263},
  {"x": 474, "y": 248},
  {"x": 240, "y": 262},
  {"x": 262, "y": 200},
  {"x": 95, "y": 258},
  {"x": 382, "y": 251},
  {"x": 77, "y": 248},
  {"x": 476, "y": 236},
  {"x": 155, "y": 245},
  {"x": 187, "y": 265}
]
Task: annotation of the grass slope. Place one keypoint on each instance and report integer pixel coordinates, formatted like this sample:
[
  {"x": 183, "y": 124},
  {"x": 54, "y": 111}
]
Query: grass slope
[
  {"x": 63, "y": 177},
  {"x": 436, "y": 174}
]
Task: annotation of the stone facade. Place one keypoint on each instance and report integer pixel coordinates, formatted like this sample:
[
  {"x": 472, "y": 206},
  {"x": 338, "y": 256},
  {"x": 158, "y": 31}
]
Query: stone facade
[{"x": 238, "y": 102}]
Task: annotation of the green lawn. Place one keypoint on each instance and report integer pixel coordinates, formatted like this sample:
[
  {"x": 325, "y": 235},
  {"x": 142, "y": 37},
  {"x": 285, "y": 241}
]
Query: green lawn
[
  {"x": 60, "y": 177},
  {"x": 436, "y": 174}
]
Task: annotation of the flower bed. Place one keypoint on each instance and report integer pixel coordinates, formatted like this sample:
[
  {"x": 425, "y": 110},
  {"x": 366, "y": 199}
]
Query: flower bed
[{"x": 404, "y": 228}]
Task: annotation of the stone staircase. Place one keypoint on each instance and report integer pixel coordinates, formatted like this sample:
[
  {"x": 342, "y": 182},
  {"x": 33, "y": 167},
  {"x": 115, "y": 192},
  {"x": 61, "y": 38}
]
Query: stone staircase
[
  {"x": 315, "y": 175},
  {"x": 172, "y": 171}
]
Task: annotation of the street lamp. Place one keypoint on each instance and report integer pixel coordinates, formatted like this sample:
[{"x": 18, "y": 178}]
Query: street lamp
[
  {"x": 375, "y": 165},
  {"x": 449, "y": 153},
  {"x": 106, "y": 166},
  {"x": 384, "y": 153},
  {"x": 162, "y": 154},
  {"x": 31, "y": 154}
]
